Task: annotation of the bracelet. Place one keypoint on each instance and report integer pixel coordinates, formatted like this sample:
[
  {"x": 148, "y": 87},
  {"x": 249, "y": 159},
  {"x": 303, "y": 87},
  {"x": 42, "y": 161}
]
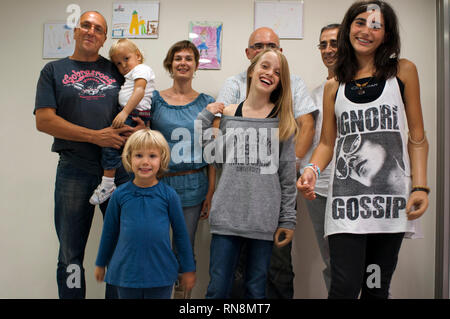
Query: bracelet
[
  {"x": 315, "y": 168},
  {"x": 315, "y": 172},
  {"x": 417, "y": 143},
  {"x": 425, "y": 189}
]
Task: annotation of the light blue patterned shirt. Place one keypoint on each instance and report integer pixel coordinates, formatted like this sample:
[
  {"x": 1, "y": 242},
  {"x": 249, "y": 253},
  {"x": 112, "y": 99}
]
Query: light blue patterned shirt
[
  {"x": 234, "y": 91},
  {"x": 168, "y": 119}
]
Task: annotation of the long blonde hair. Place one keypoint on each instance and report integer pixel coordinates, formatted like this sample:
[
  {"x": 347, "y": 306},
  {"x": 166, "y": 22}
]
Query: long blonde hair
[{"x": 281, "y": 96}]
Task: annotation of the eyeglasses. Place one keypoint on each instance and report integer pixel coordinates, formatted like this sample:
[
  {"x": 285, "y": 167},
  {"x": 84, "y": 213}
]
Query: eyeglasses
[
  {"x": 260, "y": 46},
  {"x": 87, "y": 26},
  {"x": 344, "y": 163},
  {"x": 324, "y": 44}
]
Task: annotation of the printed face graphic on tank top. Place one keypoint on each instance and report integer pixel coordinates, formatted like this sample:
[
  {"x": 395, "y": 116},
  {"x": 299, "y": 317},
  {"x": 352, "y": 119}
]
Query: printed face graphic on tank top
[{"x": 370, "y": 176}]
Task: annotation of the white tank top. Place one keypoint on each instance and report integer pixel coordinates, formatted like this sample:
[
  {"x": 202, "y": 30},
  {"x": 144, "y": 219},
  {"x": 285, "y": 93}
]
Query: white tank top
[{"x": 370, "y": 181}]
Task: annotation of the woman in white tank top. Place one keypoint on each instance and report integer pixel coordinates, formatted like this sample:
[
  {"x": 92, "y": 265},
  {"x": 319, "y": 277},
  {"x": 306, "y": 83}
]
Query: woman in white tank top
[{"x": 378, "y": 185}]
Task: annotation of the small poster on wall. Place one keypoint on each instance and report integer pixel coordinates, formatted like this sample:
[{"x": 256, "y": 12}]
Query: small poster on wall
[
  {"x": 284, "y": 17},
  {"x": 207, "y": 37},
  {"x": 58, "y": 41},
  {"x": 135, "y": 20}
]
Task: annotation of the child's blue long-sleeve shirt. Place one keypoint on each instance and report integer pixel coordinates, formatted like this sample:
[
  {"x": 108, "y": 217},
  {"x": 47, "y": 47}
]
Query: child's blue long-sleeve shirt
[{"x": 135, "y": 244}]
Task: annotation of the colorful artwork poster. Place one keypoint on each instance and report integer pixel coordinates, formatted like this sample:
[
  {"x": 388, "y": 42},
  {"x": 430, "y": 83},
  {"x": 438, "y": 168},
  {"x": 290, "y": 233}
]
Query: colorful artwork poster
[
  {"x": 135, "y": 20},
  {"x": 58, "y": 41},
  {"x": 207, "y": 37}
]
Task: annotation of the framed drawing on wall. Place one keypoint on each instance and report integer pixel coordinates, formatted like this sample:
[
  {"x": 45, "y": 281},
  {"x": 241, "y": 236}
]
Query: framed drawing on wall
[
  {"x": 58, "y": 41},
  {"x": 207, "y": 37},
  {"x": 284, "y": 17},
  {"x": 135, "y": 20}
]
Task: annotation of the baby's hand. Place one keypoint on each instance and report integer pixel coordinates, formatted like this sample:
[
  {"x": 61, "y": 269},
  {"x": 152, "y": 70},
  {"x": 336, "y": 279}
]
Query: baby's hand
[
  {"x": 215, "y": 107},
  {"x": 120, "y": 119}
]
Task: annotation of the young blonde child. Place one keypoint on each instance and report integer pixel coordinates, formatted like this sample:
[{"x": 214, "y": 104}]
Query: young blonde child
[
  {"x": 135, "y": 99},
  {"x": 254, "y": 203},
  {"x": 135, "y": 245}
]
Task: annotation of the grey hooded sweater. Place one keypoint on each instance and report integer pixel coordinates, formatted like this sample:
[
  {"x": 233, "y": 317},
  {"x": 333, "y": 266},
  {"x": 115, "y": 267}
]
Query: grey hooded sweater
[{"x": 256, "y": 193}]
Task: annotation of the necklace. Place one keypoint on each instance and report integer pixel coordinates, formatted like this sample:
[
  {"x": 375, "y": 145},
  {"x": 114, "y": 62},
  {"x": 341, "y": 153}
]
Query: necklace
[{"x": 361, "y": 87}]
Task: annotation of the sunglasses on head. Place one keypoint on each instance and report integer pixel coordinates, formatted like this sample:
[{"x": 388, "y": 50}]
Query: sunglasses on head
[{"x": 349, "y": 146}]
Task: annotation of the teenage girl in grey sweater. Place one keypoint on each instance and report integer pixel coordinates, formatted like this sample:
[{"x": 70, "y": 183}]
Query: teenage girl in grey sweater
[{"x": 255, "y": 198}]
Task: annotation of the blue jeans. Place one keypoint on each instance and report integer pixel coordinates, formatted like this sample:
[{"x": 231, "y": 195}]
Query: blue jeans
[
  {"x": 145, "y": 293},
  {"x": 224, "y": 257},
  {"x": 73, "y": 219},
  {"x": 111, "y": 157}
]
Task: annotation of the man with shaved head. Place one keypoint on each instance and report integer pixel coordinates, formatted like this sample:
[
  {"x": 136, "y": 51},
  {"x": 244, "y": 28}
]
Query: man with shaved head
[
  {"x": 280, "y": 277},
  {"x": 76, "y": 101}
]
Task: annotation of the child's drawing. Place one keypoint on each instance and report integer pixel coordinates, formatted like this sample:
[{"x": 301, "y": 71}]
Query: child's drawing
[
  {"x": 58, "y": 41},
  {"x": 207, "y": 37},
  {"x": 135, "y": 20}
]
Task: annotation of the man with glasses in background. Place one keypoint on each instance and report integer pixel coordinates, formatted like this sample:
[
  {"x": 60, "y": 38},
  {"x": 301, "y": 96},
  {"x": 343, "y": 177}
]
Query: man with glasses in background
[
  {"x": 328, "y": 49},
  {"x": 280, "y": 280},
  {"x": 76, "y": 101}
]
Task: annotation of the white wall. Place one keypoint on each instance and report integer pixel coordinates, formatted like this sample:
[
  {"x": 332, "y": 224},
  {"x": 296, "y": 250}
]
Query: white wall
[{"x": 28, "y": 243}]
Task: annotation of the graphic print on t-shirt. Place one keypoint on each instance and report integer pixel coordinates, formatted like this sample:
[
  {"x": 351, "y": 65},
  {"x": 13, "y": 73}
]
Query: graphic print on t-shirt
[
  {"x": 90, "y": 84},
  {"x": 371, "y": 173},
  {"x": 252, "y": 150},
  {"x": 369, "y": 164},
  {"x": 369, "y": 177}
]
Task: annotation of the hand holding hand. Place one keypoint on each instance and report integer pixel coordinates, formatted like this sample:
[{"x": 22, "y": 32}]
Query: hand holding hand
[{"x": 306, "y": 184}]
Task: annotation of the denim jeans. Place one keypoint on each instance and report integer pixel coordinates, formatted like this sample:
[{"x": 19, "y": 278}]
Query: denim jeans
[
  {"x": 144, "y": 293},
  {"x": 73, "y": 218},
  {"x": 111, "y": 157},
  {"x": 280, "y": 277},
  {"x": 224, "y": 257}
]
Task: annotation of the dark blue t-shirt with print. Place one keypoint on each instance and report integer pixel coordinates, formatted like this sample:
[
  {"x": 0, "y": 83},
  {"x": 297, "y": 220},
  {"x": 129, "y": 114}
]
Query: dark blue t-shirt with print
[{"x": 85, "y": 94}]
